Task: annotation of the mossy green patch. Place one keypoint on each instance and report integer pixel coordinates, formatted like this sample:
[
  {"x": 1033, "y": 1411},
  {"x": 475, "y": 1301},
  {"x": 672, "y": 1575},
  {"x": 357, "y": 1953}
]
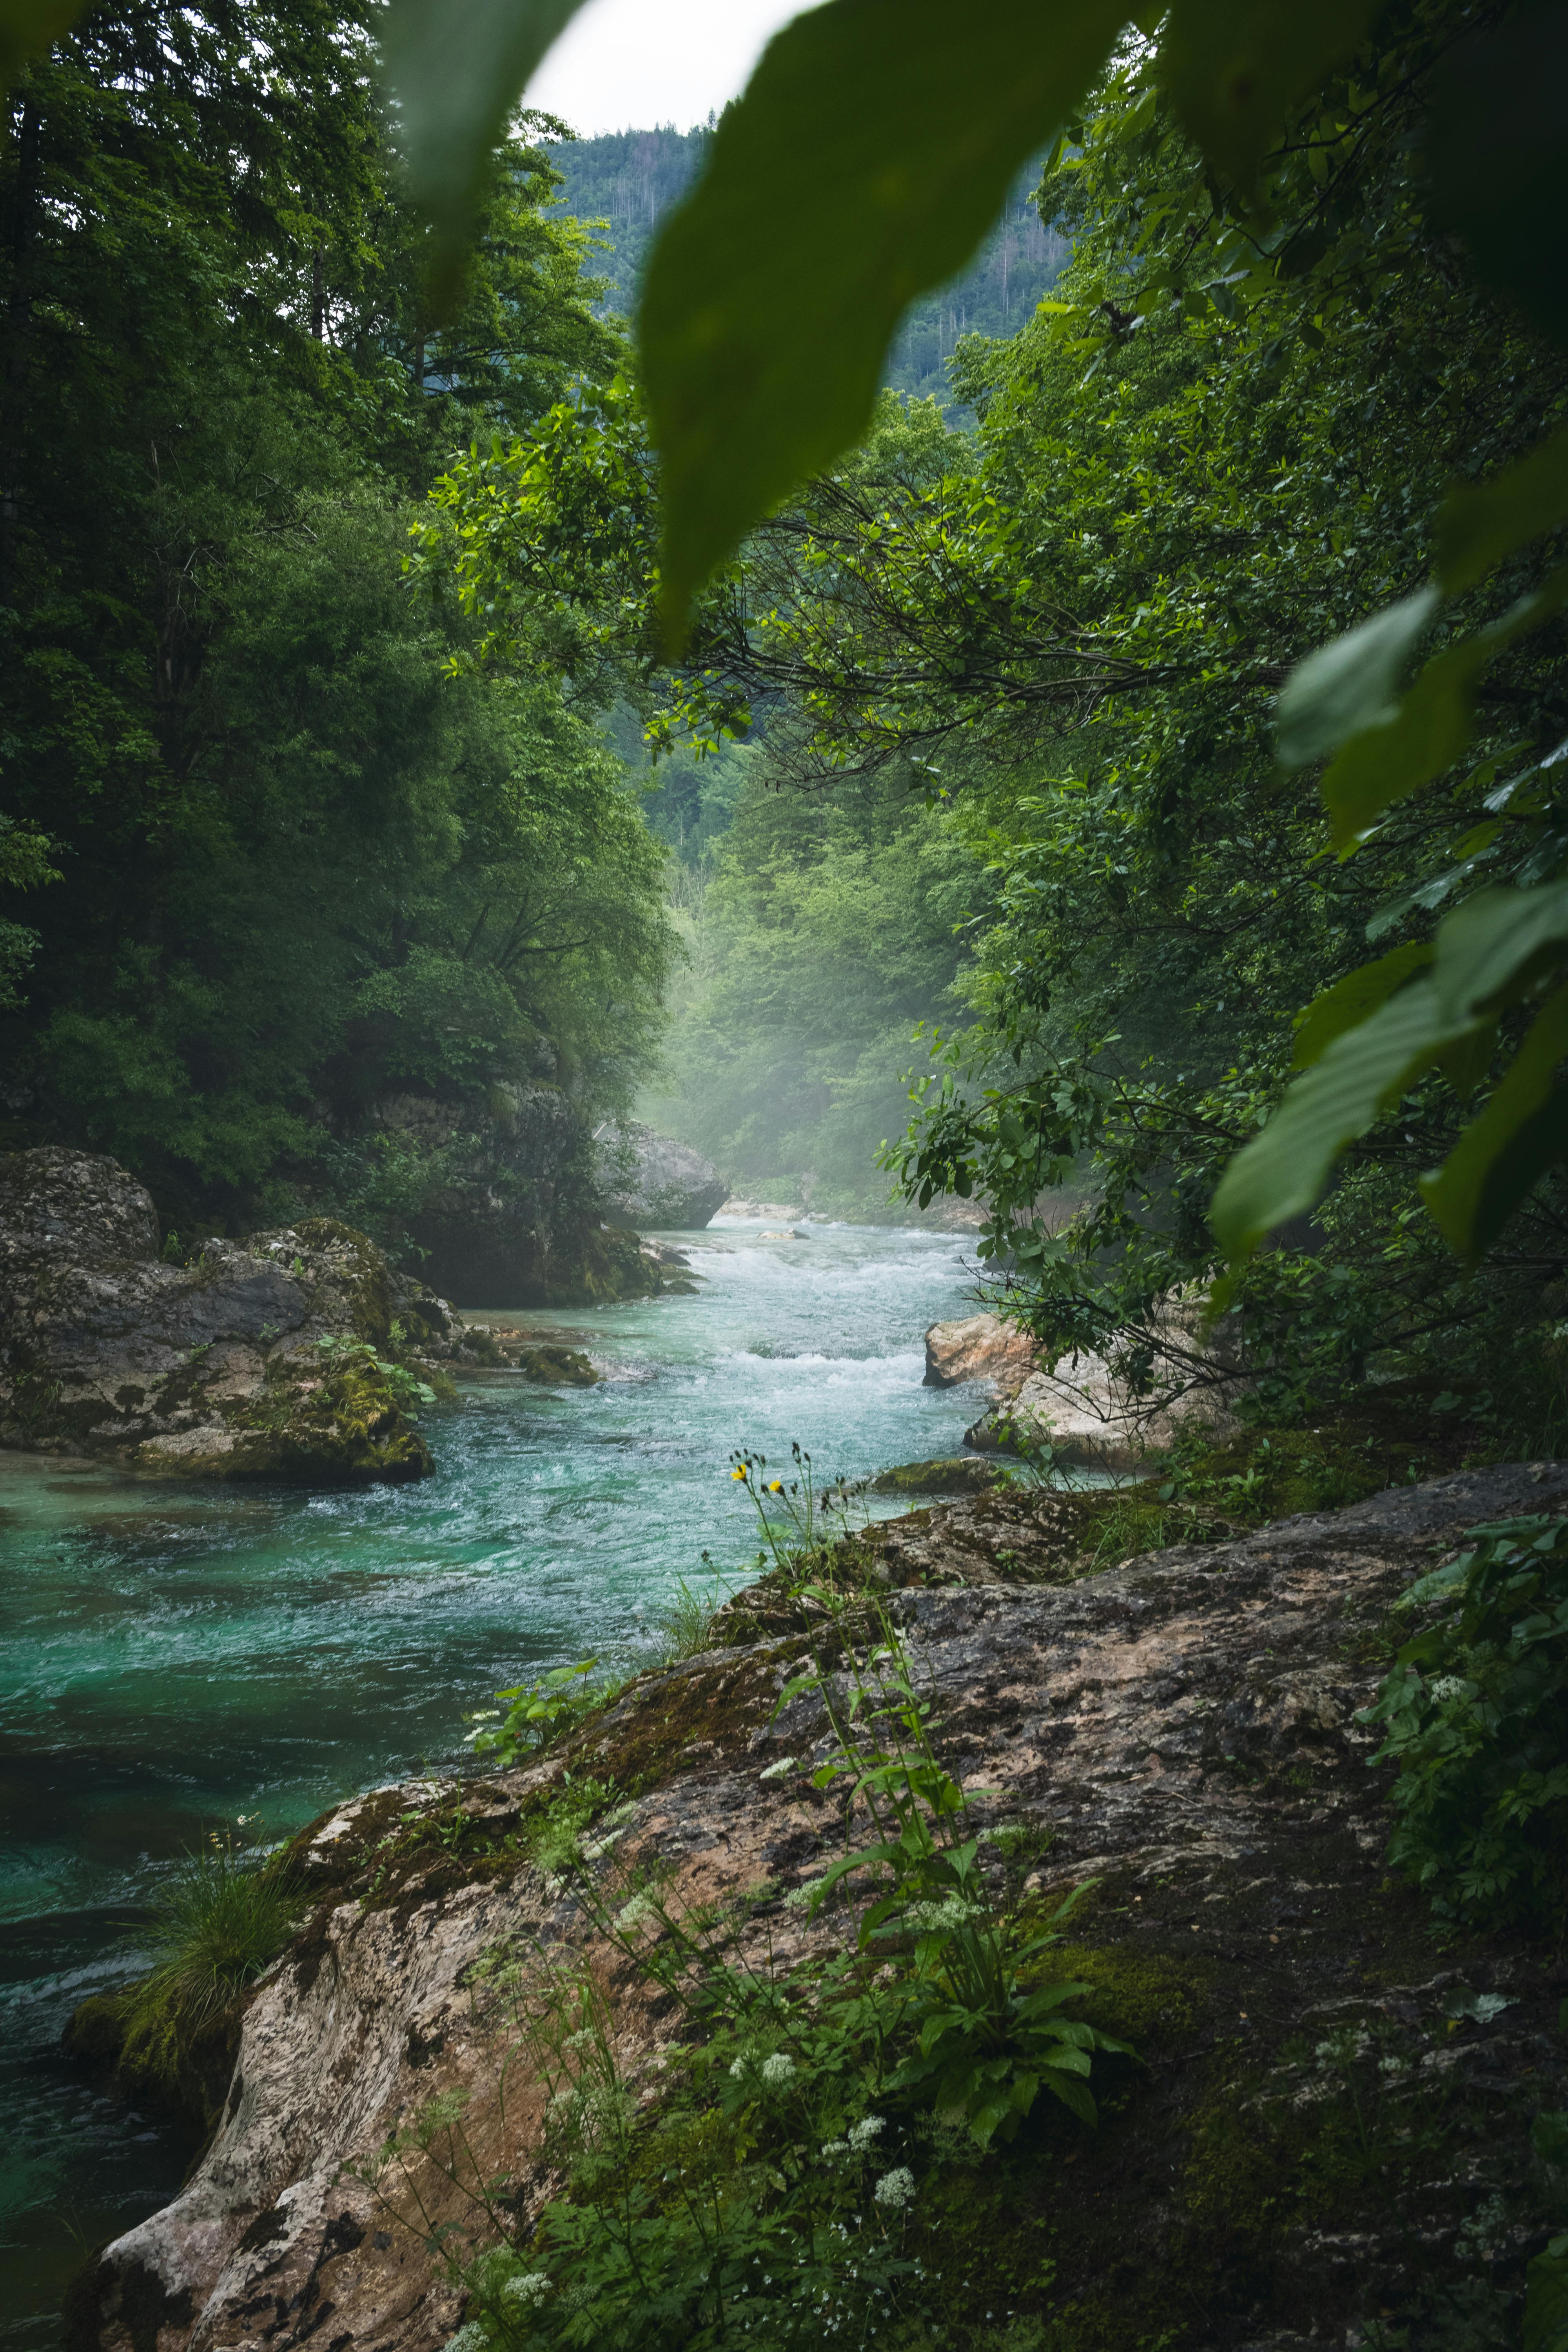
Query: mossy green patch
[
  {"x": 958, "y": 1474},
  {"x": 157, "y": 2049},
  {"x": 341, "y": 1423}
]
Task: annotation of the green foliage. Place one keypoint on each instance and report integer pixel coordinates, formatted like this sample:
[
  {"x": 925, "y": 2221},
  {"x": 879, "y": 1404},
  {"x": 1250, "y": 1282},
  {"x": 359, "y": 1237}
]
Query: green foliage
[
  {"x": 223, "y": 1917},
  {"x": 1475, "y": 1714},
  {"x": 986, "y": 2040},
  {"x": 536, "y": 1714},
  {"x": 405, "y": 1388},
  {"x": 302, "y": 869}
]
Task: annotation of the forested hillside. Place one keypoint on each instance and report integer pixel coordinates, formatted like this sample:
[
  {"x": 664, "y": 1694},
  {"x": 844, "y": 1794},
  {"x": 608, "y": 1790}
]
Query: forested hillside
[
  {"x": 274, "y": 878},
  {"x": 628, "y": 180}
]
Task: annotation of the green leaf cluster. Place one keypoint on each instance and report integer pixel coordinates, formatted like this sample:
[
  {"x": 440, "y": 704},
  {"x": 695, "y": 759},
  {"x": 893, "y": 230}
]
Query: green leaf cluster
[{"x": 1475, "y": 1716}]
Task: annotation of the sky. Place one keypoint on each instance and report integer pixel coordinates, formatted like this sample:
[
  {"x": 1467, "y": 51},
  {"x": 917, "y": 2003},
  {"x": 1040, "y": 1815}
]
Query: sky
[{"x": 623, "y": 65}]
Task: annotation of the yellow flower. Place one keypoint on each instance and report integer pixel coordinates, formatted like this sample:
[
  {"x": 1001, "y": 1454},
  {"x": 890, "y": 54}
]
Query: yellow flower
[
  {"x": 737, "y": 1474},
  {"x": 775, "y": 1486}
]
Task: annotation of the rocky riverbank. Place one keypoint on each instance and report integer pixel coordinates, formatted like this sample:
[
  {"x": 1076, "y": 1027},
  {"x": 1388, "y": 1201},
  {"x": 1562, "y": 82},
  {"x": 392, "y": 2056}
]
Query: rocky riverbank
[
  {"x": 296, "y": 1355},
  {"x": 1326, "y": 2130}
]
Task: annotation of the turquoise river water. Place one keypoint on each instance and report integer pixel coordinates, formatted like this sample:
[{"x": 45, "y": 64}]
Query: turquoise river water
[{"x": 175, "y": 1659}]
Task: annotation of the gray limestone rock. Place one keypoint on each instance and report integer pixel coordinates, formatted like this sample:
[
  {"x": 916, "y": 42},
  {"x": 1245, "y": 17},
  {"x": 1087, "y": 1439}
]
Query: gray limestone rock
[
  {"x": 254, "y": 1359},
  {"x": 651, "y": 1179}
]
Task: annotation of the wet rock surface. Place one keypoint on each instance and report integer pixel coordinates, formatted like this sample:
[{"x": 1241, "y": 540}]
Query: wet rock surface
[
  {"x": 256, "y": 1359},
  {"x": 649, "y": 1179},
  {"x": 1184, "y": 1727}
]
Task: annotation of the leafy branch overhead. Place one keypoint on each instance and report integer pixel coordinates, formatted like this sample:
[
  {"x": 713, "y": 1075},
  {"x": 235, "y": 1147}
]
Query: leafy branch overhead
[{"x": 863, "y": 166}]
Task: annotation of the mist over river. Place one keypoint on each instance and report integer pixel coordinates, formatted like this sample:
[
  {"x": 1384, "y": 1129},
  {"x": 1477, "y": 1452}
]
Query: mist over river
[{"x": 176, "y": 1658}]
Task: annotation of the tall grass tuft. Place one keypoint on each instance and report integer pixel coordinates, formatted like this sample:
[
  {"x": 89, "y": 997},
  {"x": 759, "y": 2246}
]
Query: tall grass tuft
[
  {"x": 683, "y": 1627},
  {"x": 217, "y": 1925}
]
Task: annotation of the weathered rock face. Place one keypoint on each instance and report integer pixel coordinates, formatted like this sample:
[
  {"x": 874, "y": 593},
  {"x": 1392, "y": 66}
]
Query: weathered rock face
[
  {"x": 1089, "y": 1417},
  {"x": 1186, "y": 1728},
  {"x": 239, "y": 1365},
  {"x": 509, "y": 1216},
  {"x": 978, "y": 1347},
  {"x": 651, "y": 1180}
]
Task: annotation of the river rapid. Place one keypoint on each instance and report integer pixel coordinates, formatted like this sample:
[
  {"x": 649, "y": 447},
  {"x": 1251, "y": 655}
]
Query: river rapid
[{"x": 179, "y": 1660}]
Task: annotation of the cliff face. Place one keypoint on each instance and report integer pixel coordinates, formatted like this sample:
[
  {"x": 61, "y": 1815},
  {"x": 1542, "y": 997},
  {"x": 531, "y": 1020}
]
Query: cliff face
[
  {"x": 259, "y": 1359},
  {"x": 1185, "y": 1728},
  {"x": 509, "y": 1214}
]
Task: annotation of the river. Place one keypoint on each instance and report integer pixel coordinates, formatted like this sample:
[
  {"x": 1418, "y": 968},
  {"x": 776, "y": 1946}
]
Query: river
[{"x": 176, "y": 1660}]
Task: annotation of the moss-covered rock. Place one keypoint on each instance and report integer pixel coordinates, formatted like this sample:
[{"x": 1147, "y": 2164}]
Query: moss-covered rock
[
  {"x": 956, "y": 1474},
  {"x": 155, "y": 2050},
  {"x": 262, "y": 1359}
]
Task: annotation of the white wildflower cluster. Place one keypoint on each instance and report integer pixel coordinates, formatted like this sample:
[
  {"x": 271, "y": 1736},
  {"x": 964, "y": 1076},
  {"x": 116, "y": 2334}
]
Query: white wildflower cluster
[
  {"x": 530, "y": 2287},
  {"x": 469, "y": 2337},
  {"x": 1007, "y": 1837},
  {"x": 776, "y": 1771},
  {"x": 740, "y": 2068},
  {"x": 862, "y": 2133},
  {"x": 799, "y": 1898},
  {"x": 951, "y": 1912},
  {"x": 778, "y": 2072},
  {"x": 1446, "y": 1687},
  {"x": 895, "y": 2189},
  {"x": 640, "y": 1912}
]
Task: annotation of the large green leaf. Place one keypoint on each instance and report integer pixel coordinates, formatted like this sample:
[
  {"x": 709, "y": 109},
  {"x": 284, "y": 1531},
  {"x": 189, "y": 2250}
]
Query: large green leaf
[
  {"x": 1523, "y": 1131},
  {"x": 29, "y": 28},
  {"x": 1418, "y": 738},
  {"x": 1490, "y": 950},
  {"x": 1283, "y": 1170},
  {"x": 1425, "y": 734},
  {"x": 1235, "y": 67},
  {"x": 1352, "y": 999},
  {"x": 1487, "y": 954},
  {"x": 1351, "y": 684},
  {"x": 457, "y": 68},
  {"x": 1485, "y": 521},
  {"x": 1546, "y": 2300},
  {"x": 865, "y": 163}
]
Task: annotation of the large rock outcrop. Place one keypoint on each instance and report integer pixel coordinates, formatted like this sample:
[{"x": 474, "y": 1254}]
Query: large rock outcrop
[
  {"x": 1089, "y": 1413},
  {"x": 509, "y": 1213},
  {"x": 1332, "y": 2114},
  {"x": 649, "y": 1179},
  {"x": 259, "y": 1359}
]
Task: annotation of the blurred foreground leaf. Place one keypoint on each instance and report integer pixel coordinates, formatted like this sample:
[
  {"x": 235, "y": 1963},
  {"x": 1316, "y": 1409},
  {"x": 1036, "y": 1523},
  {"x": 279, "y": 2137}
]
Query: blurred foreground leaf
[
  {"x": 869, "y": 157},
  {"x": 457, "y": 69}
]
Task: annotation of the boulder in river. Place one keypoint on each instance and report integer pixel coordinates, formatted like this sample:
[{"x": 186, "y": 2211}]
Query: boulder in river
[
  {"x": 257, "y": 1359},
  {"x": 978, "y": 1347},
  {"x": 1326, "y": 2132},
  {"x": 1090, "y": 1418},
  {"x": 649, "y": 1179}
]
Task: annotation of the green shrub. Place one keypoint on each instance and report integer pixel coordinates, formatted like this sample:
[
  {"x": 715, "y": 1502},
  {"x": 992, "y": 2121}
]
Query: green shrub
[{"x": 1476, "y": 1717}]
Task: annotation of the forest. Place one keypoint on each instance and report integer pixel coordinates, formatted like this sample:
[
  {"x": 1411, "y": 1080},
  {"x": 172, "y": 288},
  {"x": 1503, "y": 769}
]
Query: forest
[
  {"x": 979, "y": 639},
  {"x": 346, "y": 765}
]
